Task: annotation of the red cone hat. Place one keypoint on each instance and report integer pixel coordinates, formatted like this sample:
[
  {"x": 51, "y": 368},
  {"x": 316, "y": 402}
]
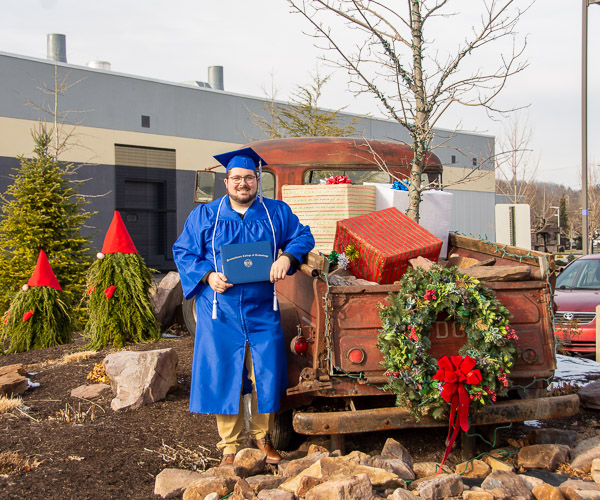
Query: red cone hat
[
  {"x": 43, "y": 274},
  {"x": 117, "y": 238}
]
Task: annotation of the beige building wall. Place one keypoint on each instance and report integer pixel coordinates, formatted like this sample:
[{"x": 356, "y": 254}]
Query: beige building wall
[
  {"x": 465, "y": 179},
  {"x": 97, "y": 146}
]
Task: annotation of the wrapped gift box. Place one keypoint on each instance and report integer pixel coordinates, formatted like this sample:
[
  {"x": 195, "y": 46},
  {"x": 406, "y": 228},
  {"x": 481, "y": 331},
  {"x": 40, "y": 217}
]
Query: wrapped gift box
[
  {"x": 321, "y": 206},
  {"x": 435, "y": 210},
  {"x": 385, "y": 241}
]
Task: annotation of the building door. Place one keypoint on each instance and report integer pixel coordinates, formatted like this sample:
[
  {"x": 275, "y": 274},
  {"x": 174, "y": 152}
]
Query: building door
[{"x": 145, "y": 197}]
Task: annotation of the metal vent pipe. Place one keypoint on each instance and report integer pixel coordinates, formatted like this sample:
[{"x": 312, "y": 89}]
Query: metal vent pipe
[
  {"x": 56, "y": 47},
  {"x": 215, "y": 77}
]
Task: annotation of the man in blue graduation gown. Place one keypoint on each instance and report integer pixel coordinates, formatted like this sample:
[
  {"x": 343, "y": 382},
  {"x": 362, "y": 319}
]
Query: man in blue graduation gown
[{"x": 238, "y": 325}]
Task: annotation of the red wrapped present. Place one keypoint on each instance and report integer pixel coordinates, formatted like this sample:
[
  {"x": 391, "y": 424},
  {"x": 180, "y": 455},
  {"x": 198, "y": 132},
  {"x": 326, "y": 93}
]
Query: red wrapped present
[{"x": 385, "y": 241}]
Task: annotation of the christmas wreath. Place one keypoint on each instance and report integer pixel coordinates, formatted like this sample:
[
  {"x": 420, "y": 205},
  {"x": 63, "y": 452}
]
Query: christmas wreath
[{"x": 426, "y": 385}]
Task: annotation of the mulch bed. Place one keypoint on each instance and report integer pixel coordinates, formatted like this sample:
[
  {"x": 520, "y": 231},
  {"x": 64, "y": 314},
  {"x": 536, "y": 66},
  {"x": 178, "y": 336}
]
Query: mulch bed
[{"x": 83, "y": 449}]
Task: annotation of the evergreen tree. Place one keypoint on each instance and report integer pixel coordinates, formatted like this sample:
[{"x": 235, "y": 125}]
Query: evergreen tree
[
  {"x": 563, "y": 215},
  {"x": 42, "y": 211}
]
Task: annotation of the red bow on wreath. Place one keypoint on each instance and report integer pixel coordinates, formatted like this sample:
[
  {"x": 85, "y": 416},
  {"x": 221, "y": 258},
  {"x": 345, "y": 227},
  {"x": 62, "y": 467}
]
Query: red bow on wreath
[
  {"x": 338, "y": 179},
  {"x": 454, "y": 373}
]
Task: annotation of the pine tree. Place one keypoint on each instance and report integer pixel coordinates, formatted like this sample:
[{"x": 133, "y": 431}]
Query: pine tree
[{"x": 42, "y": 211}]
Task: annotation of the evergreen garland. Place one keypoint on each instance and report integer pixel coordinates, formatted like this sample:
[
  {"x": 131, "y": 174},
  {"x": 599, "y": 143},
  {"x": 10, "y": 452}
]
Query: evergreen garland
[
  {"x": 37, "y": 318},
  {"x": 406, "y": 325},
  {"x": 127, "y": 315},
  {"x": 41, "y": 210}
]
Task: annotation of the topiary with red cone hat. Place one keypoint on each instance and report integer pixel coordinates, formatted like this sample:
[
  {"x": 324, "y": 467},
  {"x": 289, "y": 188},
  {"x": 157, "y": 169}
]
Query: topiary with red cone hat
[
  {"x": 119, "y": 282},
  {"x": 37, "y": 316}
]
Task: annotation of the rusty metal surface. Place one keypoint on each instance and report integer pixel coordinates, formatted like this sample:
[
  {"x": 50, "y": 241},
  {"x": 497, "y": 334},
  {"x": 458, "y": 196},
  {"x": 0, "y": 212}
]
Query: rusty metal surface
[
  {"x": 288, "y": 159},
  {"x": 350, "y": 422}
]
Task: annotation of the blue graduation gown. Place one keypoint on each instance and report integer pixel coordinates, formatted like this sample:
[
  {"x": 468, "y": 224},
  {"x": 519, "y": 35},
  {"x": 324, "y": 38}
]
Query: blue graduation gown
[{"x": 244, "y": 312}]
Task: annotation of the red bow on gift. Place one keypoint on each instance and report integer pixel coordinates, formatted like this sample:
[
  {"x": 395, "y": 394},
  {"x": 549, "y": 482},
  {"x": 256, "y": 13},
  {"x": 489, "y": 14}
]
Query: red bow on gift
[
  {"x": 454, "y": 373},
  {"x": 338, "y": 179}
]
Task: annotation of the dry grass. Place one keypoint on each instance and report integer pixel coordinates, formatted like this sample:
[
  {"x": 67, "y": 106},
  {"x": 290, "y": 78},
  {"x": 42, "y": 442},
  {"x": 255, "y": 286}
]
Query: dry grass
[
  {"x": 9, "y": 404},
  {"x": 75, "y": 414},
  {"x": 184, "y": 458},
  {"x": 12, "y": 463},
  {"x": 564, "y": 388},
  {"x": 76, "y": 357}
]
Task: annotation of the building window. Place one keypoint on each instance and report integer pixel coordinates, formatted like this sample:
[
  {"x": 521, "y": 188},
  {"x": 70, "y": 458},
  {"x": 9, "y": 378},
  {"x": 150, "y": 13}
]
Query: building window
[
  {"x": 453, "y": 159},
  {"x": 145, "y": 121},
  {"x": 474, "y": 162}
]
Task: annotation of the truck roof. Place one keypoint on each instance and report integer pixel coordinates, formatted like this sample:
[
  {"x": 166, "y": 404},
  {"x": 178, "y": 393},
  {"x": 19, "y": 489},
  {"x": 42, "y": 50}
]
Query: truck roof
[{"x": 343, "y": 151}]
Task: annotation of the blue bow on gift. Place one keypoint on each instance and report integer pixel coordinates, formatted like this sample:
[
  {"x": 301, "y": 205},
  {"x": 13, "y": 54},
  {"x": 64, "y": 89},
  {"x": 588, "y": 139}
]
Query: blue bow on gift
[{"x": 400, "y": 186}]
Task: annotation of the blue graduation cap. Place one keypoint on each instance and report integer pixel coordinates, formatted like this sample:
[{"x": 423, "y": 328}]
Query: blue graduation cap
[{"x": 241, "y": 158}]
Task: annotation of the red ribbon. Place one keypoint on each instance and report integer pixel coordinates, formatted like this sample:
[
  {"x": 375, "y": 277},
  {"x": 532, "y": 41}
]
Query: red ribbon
[
  {"x": 338, "y": 179},
  {"x": 27, "y": 315},
  {"x": 454, "y": 373},
  {"x": 109, "y": 292}
]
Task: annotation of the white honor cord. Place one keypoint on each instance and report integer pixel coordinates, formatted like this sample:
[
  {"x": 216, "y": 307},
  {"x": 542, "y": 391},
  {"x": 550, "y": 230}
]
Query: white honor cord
[
  {"x": 214, "y": 310},
  {"x": 274, "y": 255}
]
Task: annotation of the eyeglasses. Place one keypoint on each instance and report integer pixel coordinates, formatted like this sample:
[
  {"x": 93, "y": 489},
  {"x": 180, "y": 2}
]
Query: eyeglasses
[{"x": 236, "y": 179}]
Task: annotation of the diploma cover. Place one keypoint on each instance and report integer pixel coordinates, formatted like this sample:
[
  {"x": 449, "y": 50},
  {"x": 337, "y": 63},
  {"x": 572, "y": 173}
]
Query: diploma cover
[{"x": 247, "y": 262}]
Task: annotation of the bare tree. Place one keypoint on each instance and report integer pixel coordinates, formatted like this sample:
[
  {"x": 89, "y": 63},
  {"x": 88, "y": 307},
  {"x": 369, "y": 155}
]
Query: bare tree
[
  {"x": 395, "y": 54},
  {"x": 302, "y": 117},
  {"x": 516, "y": 168}
]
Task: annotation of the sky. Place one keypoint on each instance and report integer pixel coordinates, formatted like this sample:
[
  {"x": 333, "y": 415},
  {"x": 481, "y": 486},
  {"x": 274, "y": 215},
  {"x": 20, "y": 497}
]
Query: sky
[{"x": 263, "y": 45}]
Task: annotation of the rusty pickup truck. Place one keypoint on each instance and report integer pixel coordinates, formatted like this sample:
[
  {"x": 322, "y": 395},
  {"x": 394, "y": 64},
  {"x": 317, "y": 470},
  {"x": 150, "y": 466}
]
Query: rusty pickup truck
[{"x": 337, "y": 386}]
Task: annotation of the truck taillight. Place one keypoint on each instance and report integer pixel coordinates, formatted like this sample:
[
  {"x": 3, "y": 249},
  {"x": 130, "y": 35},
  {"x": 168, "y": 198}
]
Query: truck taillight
[
  {"x": 356, "y": 356},
  {"x": 299, "y": 345}
]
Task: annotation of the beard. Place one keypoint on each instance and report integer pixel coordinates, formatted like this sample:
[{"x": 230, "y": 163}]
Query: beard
[{"x": 243, "y": 195}]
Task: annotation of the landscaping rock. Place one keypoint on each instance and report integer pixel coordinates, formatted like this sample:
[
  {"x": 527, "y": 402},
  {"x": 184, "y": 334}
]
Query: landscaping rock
[
  {"x": 13, "y": 380},
  {"x": 439, "y": 487},
  {"x": 530, "y": 481},
  {"x": 275, "y": 495},
  {"x": 401, "y": 494},
  {"x": 170, "y": 483},
  {"x": 212, "y": 496},
  {"x": 395, "y": 465},
  {"x": 264, "y": 482},
  {"x": 569, "y": 493},
  {"x": 579, "y": 485},
  {"x": 295, "y": 467},
  {"x": 251, "y": 459},
  {"x": 141, "y": 378},
  {"x": 336, "y": 467},
  {"x": 166, "y": 298},
  {"x": 496, "y": 464},
  {"x": 207, "y": 484},
  {"x": 504, "y": 484},
  {"x": 242, "y": 491},
  {"x": 394, "y": 449},
  {"x": 90, "y": 391},
  {"x": 428, "y": 469},
  {"x": 583, "y": 454},
  {"x": 306, "y": 484},
  {"x": 546, "y": 492},
  {"x": 343, "y": 489},
  {"x": 473, "y": 468},
  {"x": 543, "y": 456},
  {"x": 595, "y": 470},
  {"x": 477, "y": 494},
  {"x": 589, "y": 395},
  {"x": 226, "y": 471}
]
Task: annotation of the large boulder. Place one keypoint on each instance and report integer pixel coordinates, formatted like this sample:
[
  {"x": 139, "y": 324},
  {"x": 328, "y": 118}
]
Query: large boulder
[
  {"x": 166, "y": 298},
  {"x": 141, "y": 378}
]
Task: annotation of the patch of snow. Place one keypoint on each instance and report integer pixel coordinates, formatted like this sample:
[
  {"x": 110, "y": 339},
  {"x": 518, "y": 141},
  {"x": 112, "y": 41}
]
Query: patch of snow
[
  {"x": 575, "y": 371},
  {"x": 533, "y": 423},
  {"x": 32, "y": 385},
  {"x": 170, "y": 336}
]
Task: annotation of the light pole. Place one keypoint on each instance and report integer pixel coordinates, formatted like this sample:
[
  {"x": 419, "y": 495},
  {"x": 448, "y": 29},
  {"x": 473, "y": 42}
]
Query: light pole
[
  {"x": 584, "y": 153},
  {"x": 558, "y": 223}
]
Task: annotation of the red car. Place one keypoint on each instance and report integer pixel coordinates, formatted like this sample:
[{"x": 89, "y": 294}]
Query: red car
[{"x": 576, "y": 297}]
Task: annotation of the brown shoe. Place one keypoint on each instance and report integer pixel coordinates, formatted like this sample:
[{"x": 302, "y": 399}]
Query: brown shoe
[
  {"x": 227, "y": 460},
  {"x": 264, "y": 445}
]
